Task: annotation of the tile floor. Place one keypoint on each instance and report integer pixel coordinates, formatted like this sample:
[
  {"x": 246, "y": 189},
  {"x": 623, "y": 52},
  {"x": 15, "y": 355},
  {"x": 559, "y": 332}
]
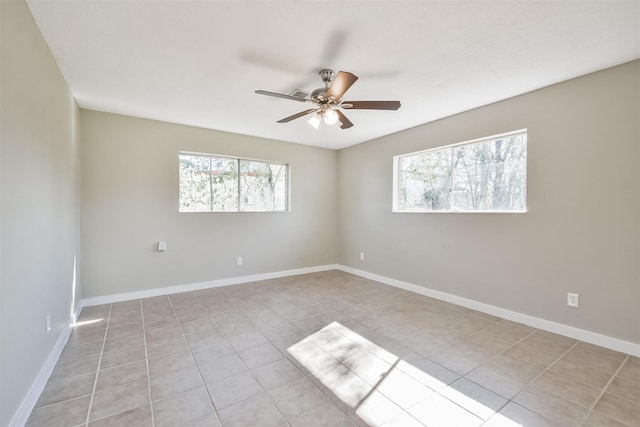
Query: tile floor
[{"x": 327, "y": 349}]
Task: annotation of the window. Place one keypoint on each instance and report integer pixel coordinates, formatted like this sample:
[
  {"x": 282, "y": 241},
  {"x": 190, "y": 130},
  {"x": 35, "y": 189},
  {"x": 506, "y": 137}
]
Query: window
[
  {"x": 485, "y": 175},
  {"x": 211, "y": 183}
]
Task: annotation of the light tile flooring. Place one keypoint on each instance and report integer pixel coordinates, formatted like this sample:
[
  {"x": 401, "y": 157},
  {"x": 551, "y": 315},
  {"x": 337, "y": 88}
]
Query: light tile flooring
[{"x": 327, "y": 349}]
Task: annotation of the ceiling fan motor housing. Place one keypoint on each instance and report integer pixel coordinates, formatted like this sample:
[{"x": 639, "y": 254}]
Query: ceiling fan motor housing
[{"x": 319, "y": 95}]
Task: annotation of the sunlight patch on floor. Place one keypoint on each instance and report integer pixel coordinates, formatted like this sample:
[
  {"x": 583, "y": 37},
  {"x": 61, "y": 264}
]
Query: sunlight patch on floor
[
  {"x": 87, "y": 322},
  {"x": 382, "y": 388}
]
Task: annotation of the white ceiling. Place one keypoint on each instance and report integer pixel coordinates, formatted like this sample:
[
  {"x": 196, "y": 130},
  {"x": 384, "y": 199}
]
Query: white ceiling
[{"x": 199, "y": 62}]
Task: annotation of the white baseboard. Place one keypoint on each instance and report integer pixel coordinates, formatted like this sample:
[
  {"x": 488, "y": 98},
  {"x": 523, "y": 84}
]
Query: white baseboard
[
  {"x": 29, "y": 402},
  {"x": 536, "y": 322},
  {"x": 108, "y": 299}
]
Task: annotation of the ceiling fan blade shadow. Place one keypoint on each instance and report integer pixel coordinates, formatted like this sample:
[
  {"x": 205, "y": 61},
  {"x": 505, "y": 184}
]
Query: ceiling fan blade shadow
[
  {"x": 346, "y": 123},
  {"x": 371, "y": 105},
  {"x": 333, "y": 47},
  {"x": 389, "y": 74},
  {"x": 281, "y": 95},
  {"x": 297, "y": 116},
  {"x": 341, "y": 83},
  {"x": 273, "y": 62}
]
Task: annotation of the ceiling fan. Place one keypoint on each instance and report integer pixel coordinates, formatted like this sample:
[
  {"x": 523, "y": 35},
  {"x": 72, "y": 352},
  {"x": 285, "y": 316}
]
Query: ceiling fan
[{"x": 327, "y": 101}]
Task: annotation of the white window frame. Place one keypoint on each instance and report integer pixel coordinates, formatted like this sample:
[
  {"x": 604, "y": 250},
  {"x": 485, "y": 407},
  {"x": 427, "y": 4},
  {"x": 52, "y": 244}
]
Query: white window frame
[
  {"x": 396, "y": 176},
  {"x": 238, "y": 190}
]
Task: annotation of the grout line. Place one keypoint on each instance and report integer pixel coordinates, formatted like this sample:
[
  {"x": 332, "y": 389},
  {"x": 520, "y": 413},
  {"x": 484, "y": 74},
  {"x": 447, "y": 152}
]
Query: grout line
[
  {"x": 146, "y": 359},
  {"x": 258, "y": 382},
  {"x": 297, "y": 293},
  {"x": 285, "y": 358},
  {"x": 536, "y": 378},
  {"x": 288, "y": 323},
  {"x": 603, "y": 391},
  {"x": 462, "y": 376},
  {"x": 522, "y": 360},
  {"x": 528, "y": 384},
  {"x": 373, "y": 387},
  {"x": 193, "y": 359},
  {"x": 95, "y": 381}
]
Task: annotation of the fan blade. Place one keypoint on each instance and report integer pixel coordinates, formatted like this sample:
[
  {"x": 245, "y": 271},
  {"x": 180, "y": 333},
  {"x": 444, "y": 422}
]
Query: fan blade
[
  {"x": 280, "y": 95},
  {"x": 341, "y": 83},
  {"x": 297, "y": 116},
  {"x": 371, "y": 105},
  {"x": 346, "y": 123}
]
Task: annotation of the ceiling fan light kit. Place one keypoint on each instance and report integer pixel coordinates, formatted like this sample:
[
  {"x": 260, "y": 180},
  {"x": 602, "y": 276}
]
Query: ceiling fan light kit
[
  {"x": 315, "y": 120},
  {"x": 327, "y": 101},
  {"x": 330, "y": 116}
]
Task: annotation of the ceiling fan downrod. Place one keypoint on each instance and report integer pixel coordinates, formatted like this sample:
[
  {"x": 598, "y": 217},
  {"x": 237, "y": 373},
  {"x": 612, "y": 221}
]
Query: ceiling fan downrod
[{"x": 326, "y": 75}]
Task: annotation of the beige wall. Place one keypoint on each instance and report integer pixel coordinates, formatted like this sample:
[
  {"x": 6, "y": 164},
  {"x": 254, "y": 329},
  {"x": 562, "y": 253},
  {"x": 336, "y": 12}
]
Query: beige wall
[
  {"x": 130, "y": 202},
  {"x": 581, "y": 231},
  {"x": 40, "y": 204}
]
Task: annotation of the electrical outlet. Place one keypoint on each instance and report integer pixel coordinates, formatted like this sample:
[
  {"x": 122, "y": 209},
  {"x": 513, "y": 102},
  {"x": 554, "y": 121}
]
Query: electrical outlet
[
  {"x": 573, "y": 300},
  {"x": 361, "y": 256},
  {"x": 48, "y": 323},
  {"x": 239, "y": 261}
]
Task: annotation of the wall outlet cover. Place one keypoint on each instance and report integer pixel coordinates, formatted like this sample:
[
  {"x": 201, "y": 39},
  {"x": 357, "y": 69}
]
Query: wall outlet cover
[{"x": 573, "y": 300}]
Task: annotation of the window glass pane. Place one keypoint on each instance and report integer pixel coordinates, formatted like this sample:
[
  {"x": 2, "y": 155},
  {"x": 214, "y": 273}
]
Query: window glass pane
[
  {"x": 263, "y": 186},
  {"x": 514, "y": 180},
  {"x": 208, "y": 184},
  {"x": 489, "y": 175},
  {"x": 472, "y": 169},
  {"x": 425, "y": 180}
]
